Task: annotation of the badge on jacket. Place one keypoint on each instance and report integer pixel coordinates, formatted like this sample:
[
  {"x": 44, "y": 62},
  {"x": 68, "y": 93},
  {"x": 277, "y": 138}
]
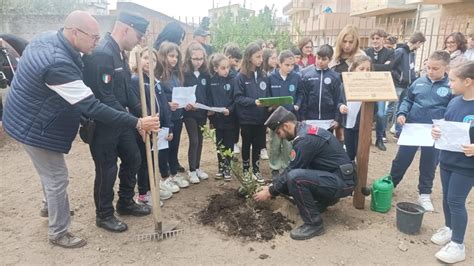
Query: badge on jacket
[
  {"x": 106, "y": 78},
  {"x": 292, "y": 155},
  {"x": 263, "y": 85},
  {"x": 313, "y": 130}
]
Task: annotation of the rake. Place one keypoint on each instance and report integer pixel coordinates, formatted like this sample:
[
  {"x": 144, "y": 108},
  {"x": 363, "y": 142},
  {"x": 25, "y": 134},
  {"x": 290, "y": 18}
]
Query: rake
[{"x": 161, "y": 231}]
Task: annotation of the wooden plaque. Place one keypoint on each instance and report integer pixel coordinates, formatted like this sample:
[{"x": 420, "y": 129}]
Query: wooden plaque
[{"x": 369, "y": 86}]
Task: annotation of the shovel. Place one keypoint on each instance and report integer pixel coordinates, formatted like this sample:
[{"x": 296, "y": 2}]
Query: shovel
[{"x": 161, "y": 231}]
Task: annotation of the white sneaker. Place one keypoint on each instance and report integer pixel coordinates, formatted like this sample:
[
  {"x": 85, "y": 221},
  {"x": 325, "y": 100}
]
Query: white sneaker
[
  {"x": 258, "y": 176},
  {"x": 201, "y": 174},
  {"x": 425, "y": 201},
  {"x": 193, "y": 178},
  {"x": 236, "y": 149},
  {"x": 169, "y": 185},
  {"x": 451, "y": 253},
  {"x": 263, "y": 154},
  {"x": 392, "y": 129},
  {"x": 442, "y": 236},
  {"x": 180, "y": 181}
]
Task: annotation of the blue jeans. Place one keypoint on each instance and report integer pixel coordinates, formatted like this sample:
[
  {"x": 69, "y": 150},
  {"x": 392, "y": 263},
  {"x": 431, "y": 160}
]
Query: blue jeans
[
  {"x": 429, "y": 160},
  {"x": 380, "y": 120},
  {"x": 456, "y": 188},
  {"x": 392, "y": 109}
]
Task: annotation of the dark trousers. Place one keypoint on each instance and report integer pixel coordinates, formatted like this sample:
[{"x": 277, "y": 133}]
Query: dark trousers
[
  {"x": 311, "y": 186},
  {"x": 224, "y": 137},
  {"x": 456, "y": 188},
  {"x": 107, "y": 146},
  {"x": 429, "y": 160},
  {"x": 173, "y": 149},
  {"x": 252, "y": 136},
  {"x": 143, "y": 181},
  {"x": 351, "y": 140},
  {"x": 193, "y": 127},
  {"x": 236, "y": 132}
]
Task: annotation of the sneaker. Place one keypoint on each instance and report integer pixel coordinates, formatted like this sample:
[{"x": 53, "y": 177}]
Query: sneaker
[
  {"x": 236, "y": 149},
  {"x": 263, "y": 154},
  {"x": 258, "y": 176},
  {"x": 146, "y": 198},
  {"x": 227, "y": 176},
  {"x": 169, "y": 185},
  {"x": 425, "y": 202},
  {"x": 219, "y": 175},
  {"x": 193, "y": 178},
  {"x": 392, "y": 129},
  {"x": 442, "y": 236},
  {"x": 68, "y": 240},
  {"x": 180, "y": 181},
  {"x": 452, "y": 253},
  {"x": 201, "y": 174}
]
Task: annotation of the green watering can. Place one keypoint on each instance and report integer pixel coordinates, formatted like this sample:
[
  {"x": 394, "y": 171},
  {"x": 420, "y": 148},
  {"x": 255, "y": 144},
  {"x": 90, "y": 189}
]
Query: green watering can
[{"x": 381, "y": 193}]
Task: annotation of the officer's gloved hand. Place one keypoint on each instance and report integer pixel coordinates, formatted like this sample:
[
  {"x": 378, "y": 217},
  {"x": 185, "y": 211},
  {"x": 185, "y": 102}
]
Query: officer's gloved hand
[{"x": 150, "y": 123}]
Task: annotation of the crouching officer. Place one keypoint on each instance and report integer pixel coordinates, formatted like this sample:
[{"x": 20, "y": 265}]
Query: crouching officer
[
  {"x": 319, "y": 173},
  {"x": 108, "y": 75}
]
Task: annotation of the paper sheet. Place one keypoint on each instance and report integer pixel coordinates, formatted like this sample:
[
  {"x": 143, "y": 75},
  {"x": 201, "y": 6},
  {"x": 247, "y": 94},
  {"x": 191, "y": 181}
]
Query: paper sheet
[
  {"x": 184, "y": 95},
  {"x": 213, "y": 109},
  {"x": 354, "y": 108},
  {"x": 162, "y": 138},
  {"x": 453, "y": 134},
  {"x": 414, "y": 134},
  {"x": 325, "y": 124}
]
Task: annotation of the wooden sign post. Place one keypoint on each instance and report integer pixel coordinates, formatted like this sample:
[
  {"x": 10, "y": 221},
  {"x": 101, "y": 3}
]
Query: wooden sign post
[{"x": 368, "y": 88}]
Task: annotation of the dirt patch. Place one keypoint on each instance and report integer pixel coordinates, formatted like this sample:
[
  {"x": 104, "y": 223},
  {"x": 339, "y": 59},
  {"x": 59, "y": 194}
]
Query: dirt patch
[{"x": 234, "y": 215}]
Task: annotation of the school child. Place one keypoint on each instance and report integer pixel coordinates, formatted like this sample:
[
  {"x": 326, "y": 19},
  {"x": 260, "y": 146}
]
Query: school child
[
  {"x": 233, "y": 52},
  {"x": 250, "y": 85},
  {"x": 361, "y": 63},
  {"x": 270, "y": 62},
  {"x": 221, "y": 94},
  {"x": 163, "y": 109},
  {"x": 297, "y": 52},
  {"x": 196, "y": 74},
  {"x": 426, "y": 99},
  {"x": 169, "y": 56},
  {"x": 322, "y": 88},
  {"x": 456, "y": 168},
  {"x": 284, "y": 82}
]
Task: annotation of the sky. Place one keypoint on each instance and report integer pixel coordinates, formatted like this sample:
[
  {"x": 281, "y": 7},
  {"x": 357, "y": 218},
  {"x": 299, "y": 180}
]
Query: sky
[{"x": 199, "y": 8}]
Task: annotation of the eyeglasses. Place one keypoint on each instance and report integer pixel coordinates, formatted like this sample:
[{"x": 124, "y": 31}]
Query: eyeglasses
[
  {"x": 198, "y": 59},
  {"x": 94, "y": 37}
]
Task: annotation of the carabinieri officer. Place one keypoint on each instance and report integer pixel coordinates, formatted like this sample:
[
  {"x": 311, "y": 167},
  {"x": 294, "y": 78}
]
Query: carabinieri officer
[
  {"x": 320, "y": 172},
  {"x": 108, "y": 75}
]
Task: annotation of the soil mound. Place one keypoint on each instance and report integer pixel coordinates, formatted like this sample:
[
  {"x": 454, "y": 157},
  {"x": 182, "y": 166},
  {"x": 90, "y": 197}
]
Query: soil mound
[{"x": 234, "y": 215}]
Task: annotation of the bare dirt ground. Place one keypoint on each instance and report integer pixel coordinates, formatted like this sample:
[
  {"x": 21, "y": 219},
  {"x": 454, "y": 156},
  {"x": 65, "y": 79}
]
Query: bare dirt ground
[{"x": 352, "y": 236}]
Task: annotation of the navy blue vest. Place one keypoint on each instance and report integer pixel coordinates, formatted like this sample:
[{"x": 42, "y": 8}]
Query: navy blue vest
[{"x": 34, "y": 114}]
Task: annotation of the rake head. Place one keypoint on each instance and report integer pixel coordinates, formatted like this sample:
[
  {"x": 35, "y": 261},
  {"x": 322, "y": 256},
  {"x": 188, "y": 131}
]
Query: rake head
[{"x": 160, "y": 236}]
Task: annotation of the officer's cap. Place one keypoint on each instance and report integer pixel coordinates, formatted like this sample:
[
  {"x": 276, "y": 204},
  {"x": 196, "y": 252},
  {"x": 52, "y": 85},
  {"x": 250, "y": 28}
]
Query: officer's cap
[
  {"x": 201, "y": 32},
  {"x": 136, "y": 22},
  {"x": 278, "y": 117}
]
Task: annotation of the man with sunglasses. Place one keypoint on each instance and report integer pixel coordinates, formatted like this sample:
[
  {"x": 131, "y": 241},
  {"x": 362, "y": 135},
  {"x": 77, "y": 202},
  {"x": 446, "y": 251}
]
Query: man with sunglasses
[
  {"x": 108, "y": 74},
  {"x": 43, "y": 109}
]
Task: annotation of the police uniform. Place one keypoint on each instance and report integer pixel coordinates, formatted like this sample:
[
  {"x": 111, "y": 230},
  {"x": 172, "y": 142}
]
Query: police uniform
[
  {"x": 320, "y": 172},
  {"x": 108, "y": 75}
]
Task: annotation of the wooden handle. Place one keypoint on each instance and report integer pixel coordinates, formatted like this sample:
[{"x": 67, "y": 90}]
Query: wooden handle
[{"x": 151, "y": 170}]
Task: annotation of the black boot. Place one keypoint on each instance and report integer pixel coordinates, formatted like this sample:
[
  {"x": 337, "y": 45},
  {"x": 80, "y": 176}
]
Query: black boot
[
  {"x": 307, "y": 231},
  {"x": 130, "y": 207},
  {"x": 111, "y": 223},
  {"x": 380, "y": 145}
]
